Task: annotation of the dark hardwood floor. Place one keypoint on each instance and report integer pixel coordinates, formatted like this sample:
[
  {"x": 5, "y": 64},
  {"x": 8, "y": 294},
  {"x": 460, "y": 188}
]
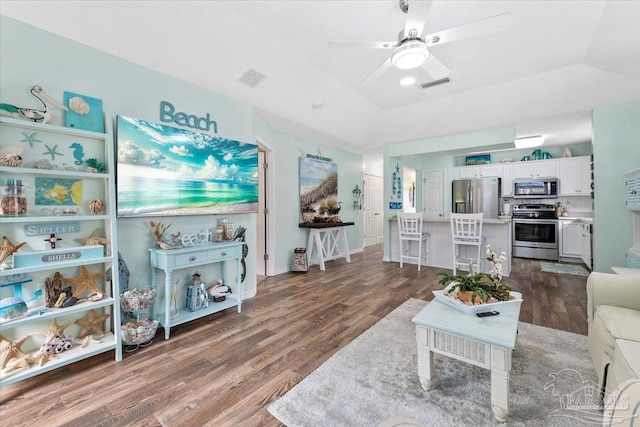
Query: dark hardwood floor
[{"x": 225, "y": 369}]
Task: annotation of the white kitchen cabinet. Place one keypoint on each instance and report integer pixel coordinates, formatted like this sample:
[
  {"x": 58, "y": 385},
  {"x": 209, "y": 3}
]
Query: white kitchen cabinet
[
  {"x": 478, "y": 171},
  {"x": 535, "y": 169},
  {"x": 570, "y": 238},
  {"x": 574, "y": 174},
  {"x": 55, "y": 206},
  {"x": 507, "y": 180},
  {"x": 586, "y": 244}
]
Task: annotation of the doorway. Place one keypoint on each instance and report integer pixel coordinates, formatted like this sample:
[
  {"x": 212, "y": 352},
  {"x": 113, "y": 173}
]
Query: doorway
[
  {"x": 433, "y": 194},
  {"x": 373, "y": 233},
  {"x": 265, "y": 244}
]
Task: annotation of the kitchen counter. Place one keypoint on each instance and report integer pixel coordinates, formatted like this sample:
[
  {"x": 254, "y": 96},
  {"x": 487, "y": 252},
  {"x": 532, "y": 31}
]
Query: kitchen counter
[{"x": 497, "y": 233}]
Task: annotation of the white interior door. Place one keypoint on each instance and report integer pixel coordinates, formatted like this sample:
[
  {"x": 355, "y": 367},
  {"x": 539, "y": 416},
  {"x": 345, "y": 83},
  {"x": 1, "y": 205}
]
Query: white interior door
[
  {"x": 260, "y": 219},
  {"x": 433, "y": 194},
  {"x": 372, "y": 210}
]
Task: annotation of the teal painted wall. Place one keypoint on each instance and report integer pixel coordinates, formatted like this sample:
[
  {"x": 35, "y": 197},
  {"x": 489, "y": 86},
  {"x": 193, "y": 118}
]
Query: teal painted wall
[
  {"x": 32, "y": 56},
  {"x": 287, "y": 152},
  {"x": 616, "y": 150}
]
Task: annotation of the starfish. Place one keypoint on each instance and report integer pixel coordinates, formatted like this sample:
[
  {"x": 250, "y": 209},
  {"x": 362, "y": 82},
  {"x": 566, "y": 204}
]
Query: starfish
[
  {"x": 86, "y": 281},
  {"x": 94, "y": 239},
  {"x": 22, "y": 362},
  {"x": 41, "y": 357},
  {"x": 10, "y": 350},
  {"x": 55, "y": 330},
  {"x": 9, "y": 248},
  {"x": 52, "y": 151},
  {"x": 91, "y": 323},
  {"x": 30, "y": 138}
]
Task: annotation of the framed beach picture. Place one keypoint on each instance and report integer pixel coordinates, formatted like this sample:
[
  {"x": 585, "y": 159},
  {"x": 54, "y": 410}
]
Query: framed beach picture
[
  {"x": 318, "y": 186},
  {"x": 163, "y": 170},
  {"x": 478, "y": 159},
  {"x": 84, "y": 112}
]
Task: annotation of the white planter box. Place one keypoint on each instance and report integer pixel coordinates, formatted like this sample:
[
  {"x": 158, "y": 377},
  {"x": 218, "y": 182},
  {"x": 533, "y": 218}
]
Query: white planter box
[{"x": 443, "y": 297}]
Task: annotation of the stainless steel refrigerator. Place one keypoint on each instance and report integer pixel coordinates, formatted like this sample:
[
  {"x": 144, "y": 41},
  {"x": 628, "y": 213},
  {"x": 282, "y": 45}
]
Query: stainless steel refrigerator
[{"x": 476, "y": 195}]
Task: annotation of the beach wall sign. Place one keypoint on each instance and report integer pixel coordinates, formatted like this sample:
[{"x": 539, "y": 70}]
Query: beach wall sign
[
  {"x": 168, "y": 114},
  {"x": 54, "y": 228}
]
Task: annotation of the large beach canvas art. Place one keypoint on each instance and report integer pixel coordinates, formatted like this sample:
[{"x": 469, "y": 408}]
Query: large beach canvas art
[
  {"x": 165, "y": 171},
  {"x": 318, "y": 185}
]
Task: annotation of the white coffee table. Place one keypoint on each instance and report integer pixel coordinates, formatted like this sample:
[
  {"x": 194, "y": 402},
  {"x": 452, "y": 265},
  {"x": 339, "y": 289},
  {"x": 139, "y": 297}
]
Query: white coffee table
[{"x": 481, "y": 341}]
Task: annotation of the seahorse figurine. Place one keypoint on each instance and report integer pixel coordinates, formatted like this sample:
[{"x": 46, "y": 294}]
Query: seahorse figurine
[{"x": 78, "y": 153}]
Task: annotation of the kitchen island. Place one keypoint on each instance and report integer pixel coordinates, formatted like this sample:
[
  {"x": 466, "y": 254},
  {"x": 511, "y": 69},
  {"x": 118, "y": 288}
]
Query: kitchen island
[{"x": 497, "y": 233}]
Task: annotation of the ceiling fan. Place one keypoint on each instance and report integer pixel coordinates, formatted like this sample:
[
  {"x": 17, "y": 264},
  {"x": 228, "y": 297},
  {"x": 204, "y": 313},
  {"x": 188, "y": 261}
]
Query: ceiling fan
[{"x": 412, "y": 49}]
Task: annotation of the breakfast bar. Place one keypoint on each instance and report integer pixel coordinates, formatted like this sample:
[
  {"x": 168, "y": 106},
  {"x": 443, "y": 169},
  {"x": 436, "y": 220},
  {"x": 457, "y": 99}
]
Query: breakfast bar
[{"x": 497, "y": 233}]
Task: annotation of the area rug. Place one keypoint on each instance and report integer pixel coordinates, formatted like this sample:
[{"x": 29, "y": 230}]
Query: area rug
[
  {"x": 374, "y": 378},
  {"x": 576, "y": 270}
]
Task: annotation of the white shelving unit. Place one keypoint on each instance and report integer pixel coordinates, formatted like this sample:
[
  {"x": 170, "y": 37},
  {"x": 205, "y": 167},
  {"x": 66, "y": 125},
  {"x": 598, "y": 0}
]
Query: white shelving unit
[
  {"x": 37, "y": 141},
  {"x": 632, "y": 183}
]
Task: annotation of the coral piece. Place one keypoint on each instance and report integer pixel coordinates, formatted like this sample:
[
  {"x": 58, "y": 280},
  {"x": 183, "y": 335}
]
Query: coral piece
[
  {"x": 11, "y": 350},
  {"x": 86, "y": 281},
  {"x": 91, "y": 323},
  {"x": 94, "y": 239},
  {"x": 158, "y": 230},
  {"x": 95, "y": 164},
  {"x": 8, "y": 248}
]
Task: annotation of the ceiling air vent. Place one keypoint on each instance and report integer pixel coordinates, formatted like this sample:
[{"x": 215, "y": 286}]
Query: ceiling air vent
[
  {"x": 252, "y": 78},
  {"x": 435, "y": 83}
]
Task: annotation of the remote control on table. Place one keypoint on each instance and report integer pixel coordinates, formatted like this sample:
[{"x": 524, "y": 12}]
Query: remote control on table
[{"x": 487, "y": 313}]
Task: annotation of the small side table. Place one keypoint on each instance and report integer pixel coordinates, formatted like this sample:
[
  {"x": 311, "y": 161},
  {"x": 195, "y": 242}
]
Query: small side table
[{"x": 329, "y": 241}]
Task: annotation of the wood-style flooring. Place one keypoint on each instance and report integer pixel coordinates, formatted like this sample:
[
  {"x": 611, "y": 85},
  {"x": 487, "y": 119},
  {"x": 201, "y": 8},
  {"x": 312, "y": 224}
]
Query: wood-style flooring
[{"x": 225, "y": 369}]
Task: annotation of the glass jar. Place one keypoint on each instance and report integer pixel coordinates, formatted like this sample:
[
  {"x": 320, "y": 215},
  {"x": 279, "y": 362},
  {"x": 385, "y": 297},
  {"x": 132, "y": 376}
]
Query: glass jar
[{"x": 13, "y": 201}]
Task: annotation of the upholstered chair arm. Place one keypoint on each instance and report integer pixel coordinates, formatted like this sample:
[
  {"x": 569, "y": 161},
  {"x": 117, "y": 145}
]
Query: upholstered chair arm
[{"x": 612, "y": 289}]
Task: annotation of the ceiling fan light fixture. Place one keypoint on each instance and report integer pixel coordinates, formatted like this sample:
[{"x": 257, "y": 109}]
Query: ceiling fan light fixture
[
  {"x": 410, "y": 55},
  {"x": 529, "y": 141},
  {"x": 407, "y": 81}
]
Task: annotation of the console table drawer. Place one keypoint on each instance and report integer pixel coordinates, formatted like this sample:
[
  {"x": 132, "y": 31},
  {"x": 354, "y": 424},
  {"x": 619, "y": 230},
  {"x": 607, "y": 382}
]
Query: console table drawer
[
  {"x": 224, "y": 253},
  {"x": 191, "y": 258}
]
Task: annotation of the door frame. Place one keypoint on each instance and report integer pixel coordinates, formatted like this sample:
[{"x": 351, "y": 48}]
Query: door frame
[{"x": 270, "y": 195}]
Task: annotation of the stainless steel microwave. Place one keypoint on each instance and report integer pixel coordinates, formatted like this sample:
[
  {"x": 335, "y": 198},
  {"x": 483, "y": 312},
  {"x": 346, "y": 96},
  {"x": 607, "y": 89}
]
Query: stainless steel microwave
[{"x": 543, "y": 188}]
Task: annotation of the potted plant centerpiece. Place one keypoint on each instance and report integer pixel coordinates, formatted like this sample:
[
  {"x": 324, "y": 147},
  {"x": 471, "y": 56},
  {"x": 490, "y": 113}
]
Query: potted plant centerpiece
[{"x": 478, "y": 288}]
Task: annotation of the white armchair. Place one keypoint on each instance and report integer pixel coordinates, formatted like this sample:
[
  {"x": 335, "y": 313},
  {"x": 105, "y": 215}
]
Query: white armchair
[{"x": 613, "y": 315}]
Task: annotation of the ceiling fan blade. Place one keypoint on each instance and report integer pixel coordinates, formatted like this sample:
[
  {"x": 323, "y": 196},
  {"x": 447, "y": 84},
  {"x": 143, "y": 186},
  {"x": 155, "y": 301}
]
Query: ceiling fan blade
[
  {"x": 362, "y": 45},
  {"x": 435, "y": 68},
  {"x": 416, "y": 17},
  {"x": 489, "y": 25},
  {"x": 377, "y": 72}
]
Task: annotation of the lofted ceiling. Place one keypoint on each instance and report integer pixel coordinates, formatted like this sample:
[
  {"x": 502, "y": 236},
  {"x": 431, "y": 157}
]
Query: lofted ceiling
[{"x": 544, "y": 74}]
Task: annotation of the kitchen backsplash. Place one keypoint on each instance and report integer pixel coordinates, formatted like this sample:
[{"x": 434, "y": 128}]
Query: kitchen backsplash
[{"x": 575, "y": 206}]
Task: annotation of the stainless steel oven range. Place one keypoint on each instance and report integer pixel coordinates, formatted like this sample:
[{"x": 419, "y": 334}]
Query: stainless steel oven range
[{"x": 535, "y": 232}]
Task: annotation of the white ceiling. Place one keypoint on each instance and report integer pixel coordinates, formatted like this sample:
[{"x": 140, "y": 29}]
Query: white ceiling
[{"x": 557, "y": 61}]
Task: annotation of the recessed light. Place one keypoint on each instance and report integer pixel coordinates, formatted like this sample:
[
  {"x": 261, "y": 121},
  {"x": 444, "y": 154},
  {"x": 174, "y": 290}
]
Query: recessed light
[
  {"x": 316, "y": 105},
  {"x": 408, "y": 81}
]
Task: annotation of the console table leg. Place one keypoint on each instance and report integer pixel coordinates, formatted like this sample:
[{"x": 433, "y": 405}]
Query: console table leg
[{"x": 167, "y": 304}]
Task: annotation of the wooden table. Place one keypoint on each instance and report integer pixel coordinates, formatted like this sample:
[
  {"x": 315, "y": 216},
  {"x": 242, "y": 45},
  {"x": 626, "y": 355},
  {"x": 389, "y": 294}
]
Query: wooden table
[
  {"x": 329, "y": 241},
  {"x": 486, "y": 342}
]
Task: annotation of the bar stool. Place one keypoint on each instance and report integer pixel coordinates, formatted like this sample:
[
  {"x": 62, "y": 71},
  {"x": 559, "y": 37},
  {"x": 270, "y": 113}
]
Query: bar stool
[
  {"x": 410, "y": 230},
  {"x": 466, "y": 230}
]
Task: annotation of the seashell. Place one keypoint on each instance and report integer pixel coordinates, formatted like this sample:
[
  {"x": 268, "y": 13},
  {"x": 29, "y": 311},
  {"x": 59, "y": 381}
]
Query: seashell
[
  {"x": 91, "y": 169},
  {"x": 95, "y": 206},
  {"x": 43, "y": 164},
  {"x": 95, "y": 296},
  {"x": 11, "y": 159}
]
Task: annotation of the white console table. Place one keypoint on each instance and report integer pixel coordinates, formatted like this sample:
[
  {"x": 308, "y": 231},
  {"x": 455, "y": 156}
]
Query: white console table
[
  {"x": 329, "y": 241},
  {"x": 176, "y": 259}
]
